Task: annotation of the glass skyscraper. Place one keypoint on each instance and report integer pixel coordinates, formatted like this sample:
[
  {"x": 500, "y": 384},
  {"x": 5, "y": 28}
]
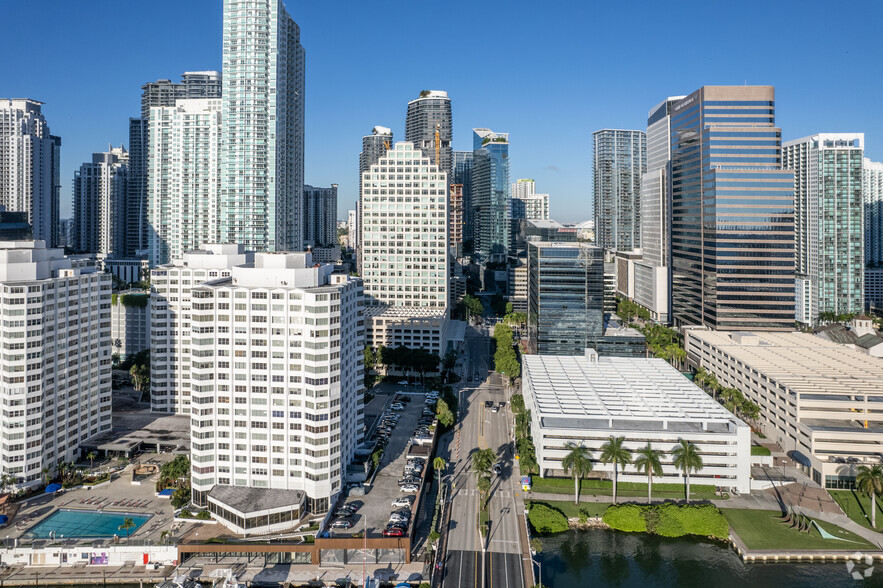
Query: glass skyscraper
[
  {"x": 263, "y": 127},
  {"x": 490, "y": 195},
  {"x": 620, "y": 159},
  {"x": 462, "y": 175},
  {"x": 732, "y": 215}
]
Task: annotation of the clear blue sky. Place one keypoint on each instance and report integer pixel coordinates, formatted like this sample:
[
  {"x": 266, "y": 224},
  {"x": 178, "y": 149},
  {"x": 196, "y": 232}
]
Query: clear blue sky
[{"x": 548, "y": 73}]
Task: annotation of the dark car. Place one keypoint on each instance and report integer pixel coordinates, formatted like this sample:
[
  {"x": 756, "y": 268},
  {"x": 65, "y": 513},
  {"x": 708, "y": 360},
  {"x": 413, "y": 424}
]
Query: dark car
[
  {"x": 393, "y": 532},
  {"x": 488, "y": 404},
  {"x": 498, "y": 468},
  {"x": 342, "y": 524}
]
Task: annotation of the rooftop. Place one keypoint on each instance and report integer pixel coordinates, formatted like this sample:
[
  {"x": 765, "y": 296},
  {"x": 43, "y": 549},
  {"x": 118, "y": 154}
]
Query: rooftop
[
  {"x": 648, "y": 391},
  {"x": 801, "y": 362},
  {"x": 404, "y": 312},
  {"x": 247, "y": 500}
]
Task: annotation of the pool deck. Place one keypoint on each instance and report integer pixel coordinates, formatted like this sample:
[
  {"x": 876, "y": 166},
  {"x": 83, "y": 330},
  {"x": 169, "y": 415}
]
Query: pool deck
[{"x": 118, "y": 495}]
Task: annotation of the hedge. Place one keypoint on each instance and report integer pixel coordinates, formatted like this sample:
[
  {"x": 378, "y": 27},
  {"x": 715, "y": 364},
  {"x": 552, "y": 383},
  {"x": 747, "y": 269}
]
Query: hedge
[
  {"x": 759, "y": 450},
  {"x": 669, "y": 520},
  {"x": 596, "y": 483},
  {"x": 545, "y": 519}
]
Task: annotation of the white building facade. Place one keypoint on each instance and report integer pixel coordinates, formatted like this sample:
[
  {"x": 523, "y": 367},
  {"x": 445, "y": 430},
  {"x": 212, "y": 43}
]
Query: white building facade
[
  {"x": 170, "y": 338},
  {"x": 277, "y": 378},
  {"x": 872, "y": 186},
  {"x": 184, "y": 178},
  {"x": 99, "y": 207},
  {"x": 130, "y": 322},
  {"x": 56, "y": 389},
  {"x": 586, "y": 399}
]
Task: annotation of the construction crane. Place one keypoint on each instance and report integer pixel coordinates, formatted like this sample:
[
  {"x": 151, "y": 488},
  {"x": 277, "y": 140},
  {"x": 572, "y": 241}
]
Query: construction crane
[{"x": 437, "y": 144}]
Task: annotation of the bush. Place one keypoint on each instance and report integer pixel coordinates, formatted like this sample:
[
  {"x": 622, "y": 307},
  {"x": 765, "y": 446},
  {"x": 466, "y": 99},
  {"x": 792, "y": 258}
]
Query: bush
[
  {"x": 545, "y": 519},
  {"x": 517, "y": 403},
  {"x": 583, "y": 516},
  {"x": 626, "y": 517},
  {"x": 204, "y": 515},
  {"x": 185, "y": 514},
  {"x": 181, "y": 497}
]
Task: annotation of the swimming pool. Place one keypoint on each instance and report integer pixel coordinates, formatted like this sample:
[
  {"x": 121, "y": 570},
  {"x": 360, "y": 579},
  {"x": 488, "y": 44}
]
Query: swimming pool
[{"x": 84, "y": 523}]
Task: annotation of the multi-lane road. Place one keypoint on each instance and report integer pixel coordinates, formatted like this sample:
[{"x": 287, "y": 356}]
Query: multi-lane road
[{"x": 495, "y": 560}]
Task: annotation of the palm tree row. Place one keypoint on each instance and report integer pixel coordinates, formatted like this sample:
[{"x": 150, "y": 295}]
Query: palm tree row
[
  {"x": 731, "y": 398},
  {"x": 578, "y": 462}
]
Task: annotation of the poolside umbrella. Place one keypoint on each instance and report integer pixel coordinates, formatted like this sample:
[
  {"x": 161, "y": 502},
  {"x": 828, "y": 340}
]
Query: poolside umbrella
[{"x": 53, "y": 488}]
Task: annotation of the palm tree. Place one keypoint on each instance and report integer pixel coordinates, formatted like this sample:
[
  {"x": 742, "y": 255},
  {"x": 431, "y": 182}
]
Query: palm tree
[
  {"x": 649, "y": 461},
  {"x": 614, "y": 452},
  {"x": 870, "y": 481},
  {"x": 439, "y": 464},
  {"x": 91, "y": 456},
  {"x": 128, "y": 523},
  {"x": 522, "y": 424},
  {"x": 484, "y": 486},
  {"x": 686, "y": 458},
  {"x": 701, "y": 377},
  {"x": 482, "y": 460},
  {"x": 578, "y": 463},
  {"x": 45, "y": 472}
]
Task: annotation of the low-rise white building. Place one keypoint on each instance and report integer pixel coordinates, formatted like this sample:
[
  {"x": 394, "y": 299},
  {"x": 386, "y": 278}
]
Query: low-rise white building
[
  {"x": 412, "y": 327},
  {"x": 56, "y": 343},
  {"x": 819, "y": 400},
  {"x": 587, "y": 399},
  {"x": 130, "y": 322}
]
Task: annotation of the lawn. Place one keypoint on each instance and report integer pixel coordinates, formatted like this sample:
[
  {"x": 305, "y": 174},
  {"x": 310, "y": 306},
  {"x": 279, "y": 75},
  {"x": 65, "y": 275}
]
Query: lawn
[
  {"x": 597, "y": 487},
  {"x": 858, "y": 507},
  {"x": 570, "y": 510},
  {"x": 761, "y": 529}
]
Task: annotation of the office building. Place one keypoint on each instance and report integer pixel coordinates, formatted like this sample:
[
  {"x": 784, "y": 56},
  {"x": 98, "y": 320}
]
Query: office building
[
  {"x": 816, "y": 397},
  {"x": 619, "y": 162},
  {"x": 184, "y": 178},
  {"x": 55, "y": 404},
  {"x": 277, "y": 378},
  {"x": 526, "y": 203},
  {"x": 99, "y": 206},
  {"x": 130, "y": 323},
  {"x": 490, "y": 195},
  {"x": 29, "y": 166},
  {"x": 587, "y": 399},
  {"x": 320, "y": 216},
  {"x": 428, "y": 114},
  {"x": 737, "y": 270},
  {"x": 374, "y": 146},
  {"x": 170, "y": 315},
  {"x": 872, "y": 182},
  {"x": 404, "y": 242},
  {"x": 462, "y": 176},
  {"x": 828, "y": 223},
  {"x": 262, "y": 165},
  {"x": 161, "y": 93}
]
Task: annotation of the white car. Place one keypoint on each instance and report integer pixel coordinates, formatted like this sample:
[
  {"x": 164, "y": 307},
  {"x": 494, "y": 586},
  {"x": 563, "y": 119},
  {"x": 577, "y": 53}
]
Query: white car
[
  {"x": 403, "y": 383},
  {"x": 409, "y": 488},
  {"x": 397, "y": 406},
  {"x": 403, "y": 502},
  {"x": 397, "y": 518}
]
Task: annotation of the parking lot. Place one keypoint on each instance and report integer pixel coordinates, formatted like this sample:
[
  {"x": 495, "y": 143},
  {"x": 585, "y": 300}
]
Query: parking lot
[{"x": 375, "y": 507}]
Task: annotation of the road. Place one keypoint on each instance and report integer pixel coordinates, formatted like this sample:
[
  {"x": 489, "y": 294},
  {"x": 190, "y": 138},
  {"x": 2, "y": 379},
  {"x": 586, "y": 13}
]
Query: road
[{"x": 494, "y": 561}]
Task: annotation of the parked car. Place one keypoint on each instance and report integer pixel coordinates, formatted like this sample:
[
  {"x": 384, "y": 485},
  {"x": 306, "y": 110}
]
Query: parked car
[
  {"x": 409, "y": 488},
  {"x": 404, "y": 501},
  {"x": 409, "y": 481},
  {"x": 398, "y": 406},
  {"x": 397, "y": 518},
  {"x": 342, "y": 524},
  {"x": 475, "y": 375},
  {"x": 393, "y": 532},
  {"x": 403, "y": 382}
]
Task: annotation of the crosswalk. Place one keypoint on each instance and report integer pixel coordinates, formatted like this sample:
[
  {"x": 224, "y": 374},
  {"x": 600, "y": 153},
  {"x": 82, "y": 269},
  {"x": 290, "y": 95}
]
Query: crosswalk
[{"x": 474, "y": 492}]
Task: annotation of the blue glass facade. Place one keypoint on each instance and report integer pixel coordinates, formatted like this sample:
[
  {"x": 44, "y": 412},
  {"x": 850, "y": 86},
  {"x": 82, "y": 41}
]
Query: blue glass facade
[
  {"x": 490, "y": 195},
  {"x": 462, "y": 174},
  {"x": 732, "y": 215}
]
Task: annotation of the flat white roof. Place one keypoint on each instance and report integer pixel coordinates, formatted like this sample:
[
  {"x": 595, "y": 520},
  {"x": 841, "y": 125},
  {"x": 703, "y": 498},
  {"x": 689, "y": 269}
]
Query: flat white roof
[
  {"x": 404, "y": 312},
  {"x": 617, "y": 387}
]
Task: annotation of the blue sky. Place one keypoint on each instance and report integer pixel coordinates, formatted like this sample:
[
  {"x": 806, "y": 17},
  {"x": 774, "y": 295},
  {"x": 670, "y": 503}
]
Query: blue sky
[{"x": 548, "y": 73}]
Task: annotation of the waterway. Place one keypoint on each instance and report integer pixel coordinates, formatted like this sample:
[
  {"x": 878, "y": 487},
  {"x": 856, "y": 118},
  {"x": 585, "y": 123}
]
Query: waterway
[{"x": 608, "y": 558}]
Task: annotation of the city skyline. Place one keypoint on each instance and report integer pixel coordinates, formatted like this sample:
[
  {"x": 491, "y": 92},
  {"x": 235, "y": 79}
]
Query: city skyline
[{"x": 88, "y": 112}]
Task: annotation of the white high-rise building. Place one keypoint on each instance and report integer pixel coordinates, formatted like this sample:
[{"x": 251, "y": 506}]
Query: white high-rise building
[
  {"x": 184, "y": 178},
  {"x": 262, "y": 177},
  {"x": 277, "y": 378},
  {"x": 56, "y": 345},
  {"x": 100, "y": 189},
  {"x": 526, "y": 203},
  {"x": 352, "y": 229},
  {"x": 170, "y": 342},
  {"x": 872, "y": 186},
  {"x": 29, "y": 166},
  {"x": 404, "y": 249}
]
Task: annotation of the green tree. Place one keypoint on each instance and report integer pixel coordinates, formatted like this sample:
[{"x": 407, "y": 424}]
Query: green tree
[
  {"x": 869, "y": 480},
  {"x": 443, "y": 413},
  {"x": 439, "y": 464},
  {"x": 91, "y": 457},
  {"x": 483, "y": 460},
  {"x": 128, "y": 523},
  {"x": 522, "y": 424},
  {"x": 614, "y": 452},
  {"x": 472, "y": 306},
  {"x": 517, "y": 403},
  {"x": 649, "y": 461},
  {"x": 578, "y": 463},
  {"x": 484, "y": 486},
  {"x": 686, "y": 458},
  {"x": 45, "y": 473}
]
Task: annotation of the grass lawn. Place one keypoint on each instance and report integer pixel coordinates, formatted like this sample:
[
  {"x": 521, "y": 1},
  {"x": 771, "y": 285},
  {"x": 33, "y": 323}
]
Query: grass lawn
[
  {"x": 483, "y": 518},
  {"x": 858, "y": 507},
  {"x": 761, "y": 529},
  {"x": 570, "y": 510},
  {"x": 596, "y": 487}
]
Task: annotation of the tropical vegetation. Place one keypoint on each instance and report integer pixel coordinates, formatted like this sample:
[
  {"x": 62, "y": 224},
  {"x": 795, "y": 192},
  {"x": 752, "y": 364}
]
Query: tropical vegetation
[
  {"x": 649, "y": 461},
  {"x": 668, "y": 520},
  {"x": 578, "y": 463},
  {"x": 869, "y": 480},
  {"x": 614, "y": 452},
  {"x": 686, "y": 458}
]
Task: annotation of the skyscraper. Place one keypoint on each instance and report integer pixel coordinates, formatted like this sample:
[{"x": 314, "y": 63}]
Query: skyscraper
[
  {"x": 526, "y": 203},
  {"x": 829, "y": 224},
  {"x": 184, "y": 177},
  {"x": 99, "y": 205},
  {"x": 161, "y": 93},
  {"x": 426, "y": 114},
  {"x": 620, "y": 159},
  {"x": 462, "y": 176},
  {"x": 732, "y": 215},
  {"x": 29, "y": 166},
  {"x": 872, "y": 182},
  {"x": 320, "y": 216},
  {"x": 374, "y": 146},
  {"x": 490, "y": 195},
  {"x": 262, "y": 176}
]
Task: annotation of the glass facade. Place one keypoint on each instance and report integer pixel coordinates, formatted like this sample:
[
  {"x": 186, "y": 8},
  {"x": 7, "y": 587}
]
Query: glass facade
[
  {"x": 620, "y": 160},
  {"x": 462, "y": 175},
  {"x": 490, "y": 195},
  {"x": 732, "y": 212}
]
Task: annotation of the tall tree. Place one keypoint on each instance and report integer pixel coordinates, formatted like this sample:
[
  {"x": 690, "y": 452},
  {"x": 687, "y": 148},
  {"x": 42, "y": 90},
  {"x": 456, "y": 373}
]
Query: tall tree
[
  {"x": 869, "y": 480},
  {"x": 686, "y": 458},
  {"x": 614, "y": 452},
  {"x": 483, "y": 460},
  {"x": 649, "y": 461},
  {"x": 578, "y": 463}
]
